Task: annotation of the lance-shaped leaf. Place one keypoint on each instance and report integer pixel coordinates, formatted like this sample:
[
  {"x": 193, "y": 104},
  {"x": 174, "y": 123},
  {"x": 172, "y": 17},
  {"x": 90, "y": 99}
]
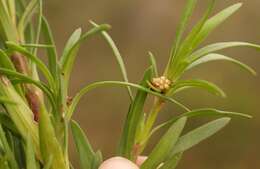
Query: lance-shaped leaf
[
  {"x": 165, "y": 145},
  {"x": 208, "y": 86},
  {"x": 72, "y": 46},
  {"x": 206, "y": 112},
  {"x": 220, "y": 46},
  {"x": 216, "y": 57},
  {"x": 133, "y": 119},
  {"x": 214, "y": 22},
  {"x": 70, "y": 50},
  {"x": 48, "y": 142},
  {"x": 186, "y": 46},
  {"x": 196, "y": 136},
  {"x": 180, "y": 30},
  {"x": 85, "y": 151}
]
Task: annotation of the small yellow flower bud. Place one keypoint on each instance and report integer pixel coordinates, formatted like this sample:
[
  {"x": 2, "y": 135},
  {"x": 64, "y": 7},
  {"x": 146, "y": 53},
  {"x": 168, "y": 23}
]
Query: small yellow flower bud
[{"x": 161, "y": 83}]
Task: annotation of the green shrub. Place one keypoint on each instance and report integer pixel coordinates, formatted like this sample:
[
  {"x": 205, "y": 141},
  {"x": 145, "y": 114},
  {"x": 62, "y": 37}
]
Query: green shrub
[{"x": 36, "y": 113}]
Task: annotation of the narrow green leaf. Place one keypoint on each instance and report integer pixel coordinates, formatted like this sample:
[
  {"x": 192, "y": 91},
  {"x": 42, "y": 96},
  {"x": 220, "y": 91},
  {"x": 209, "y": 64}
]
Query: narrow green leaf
[
  {"x": 6, "y": 100},
  {"x": 49, "y": 144},
  {"x": 31, "y": 45},
  {"x": 30, "y": 155},
  {"x": 27, "y": 16},
  {"x": 49, "y": 40},
  {"x": 7, "y": 122},
  {"x": 196, "y": 136},
  {"x": 11, "y": 8},
  {"x": 186, "y": 46},
  {"x": 85, "y": 151},
  {"x": 20, "y": 113},
  {"x": 210, "y": 87},
  {"x": 17, "y": 145},
  {"x": 38, "y": 30},
  {"x": 72, "y": 46},
  {"x": 95, "y": 85},
  {"x": 9, "y": 153},
  {"x": 165, "y": 145},
  {"x": 8, "y": 28},
  {"x": 21, "y": 78},
  {"x": 5, "y": 61},
  {"x": 154, "y": 64},
  {"x": 172, "y": 162},
  {"x": 13, "y": 46},
  {"x": 180, "y": 30},
  {"x": 118, "y": 56},
  {"x": 133, "y": 119},
  {"x": 220, "y": 46},
  {"x": 207, "y": 112},
  {"x": 213, "y": 22},
  {"x": 98, "y": 160},
  {"x": 216, "y": 57}
]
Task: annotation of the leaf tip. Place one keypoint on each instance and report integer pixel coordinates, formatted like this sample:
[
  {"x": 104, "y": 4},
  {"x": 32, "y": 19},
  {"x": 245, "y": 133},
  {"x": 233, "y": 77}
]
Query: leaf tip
[
  {"x": 239, "y": 4},
  {"x": 225, "y": 120},
  {"x": 254, "y": 73},
  {"x": 249, "y": 116},
  {"x": 223, "y": 95}
]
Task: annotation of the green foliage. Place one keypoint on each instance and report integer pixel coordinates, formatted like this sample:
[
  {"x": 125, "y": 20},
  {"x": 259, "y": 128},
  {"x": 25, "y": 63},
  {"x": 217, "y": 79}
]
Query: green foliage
[
  {"x": 118, "y": 56},
  {"x": 86, "y": 153},
  {"x": 165, "y": 145},
  {"x": 133, "y": 119},
  {"x": 30, "y": 155},
  {"x": 37, "y": 113},
  {"x": 49, "y": 144}
]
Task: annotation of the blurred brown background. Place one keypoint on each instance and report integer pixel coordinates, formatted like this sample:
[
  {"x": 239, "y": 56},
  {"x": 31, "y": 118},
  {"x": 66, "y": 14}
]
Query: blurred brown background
[{"x": 143, "y": 25}]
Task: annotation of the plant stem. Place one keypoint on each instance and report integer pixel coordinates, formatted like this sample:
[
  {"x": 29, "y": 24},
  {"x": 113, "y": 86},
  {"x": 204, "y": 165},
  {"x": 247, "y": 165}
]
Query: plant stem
[
  {"x": 151, "y": 119},
  {"x": 158, "y": 104}
]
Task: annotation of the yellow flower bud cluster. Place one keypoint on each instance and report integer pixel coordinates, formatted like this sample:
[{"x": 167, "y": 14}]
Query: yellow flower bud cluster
[{"x": 161, "y": 83}]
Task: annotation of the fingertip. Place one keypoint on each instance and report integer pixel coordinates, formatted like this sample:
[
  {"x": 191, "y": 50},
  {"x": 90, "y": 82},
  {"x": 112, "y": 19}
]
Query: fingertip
[
  {"x": 118, "y": 163},
  {"x": 140, "y": 160}
]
